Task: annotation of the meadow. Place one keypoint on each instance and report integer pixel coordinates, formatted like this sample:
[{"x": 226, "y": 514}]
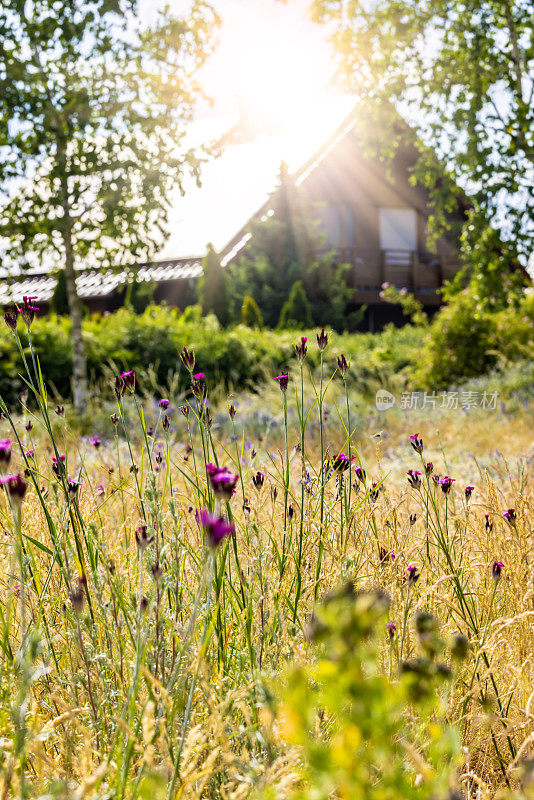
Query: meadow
[{"x": 280, "y": 594}]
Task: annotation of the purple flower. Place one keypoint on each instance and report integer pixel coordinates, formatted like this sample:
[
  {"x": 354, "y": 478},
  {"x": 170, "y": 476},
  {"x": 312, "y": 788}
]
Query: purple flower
[
  {"x": 119, "y": 388},
  {"x": 27, "y": 310},
  {"x": 164, "y": 404},
  {"x": 198, "y": 385},
  {"x": 165, "y": 424},
  {"x": 510, "y": 516},
  {"x": 414, "y": 478},
  {"x": 391, "y": 629},
  {"x": 58, "y": 465},
  {"x": 216, "y": 529},
  {"x": 342, "y": 365},
  {"x": 413, "y": 574},
  {"x": 231, "y": 410},
  {"x": 10, "y": 318},
  {"x": 188, "y": 358},
  {"x": 5, "y": 454},
  {"x": 16, "y": 488},
  {"x": 416, "y": 442},
  {"x": 129, "y": 380},
  {"x": 283, "y": 380},
  {"x": 322, "y": 340},
  {"x": 489, "y": 523},
  {"x": 341, "y": 462},
  {"x": 28, "y": 425},
  {"x": 385, "y": 555},
  {"x": 496, "y": 570},
  {"x": 73, "y": 486},
  {"x": 429, "y": 468},
  {"x": 258, "y": 479},
  {"x": 446, "y": 484},
  {"x": 223, "y": 482},
  {"x": 100, "y": 489},
  {"x": 413, "y": 519},
  {"x": 468, "y": 492},
  {"x": 301, "y": 350},
  {"x": 95, "y": 441},
  {"x": 360, "y": 474}
]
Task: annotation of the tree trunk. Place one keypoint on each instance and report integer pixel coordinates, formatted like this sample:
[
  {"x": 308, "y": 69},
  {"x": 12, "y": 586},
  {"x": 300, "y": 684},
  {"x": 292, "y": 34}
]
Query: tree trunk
[{"x": 79, "y": 364}]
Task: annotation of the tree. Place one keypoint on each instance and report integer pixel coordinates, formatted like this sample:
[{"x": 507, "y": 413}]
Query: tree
[
  {"x": 59, "y": 300},
  {"x": 284, "y": 249},
  {"x": 212, "y": 287},
  {"x": 462, "y": 71},
  {"x": 250, "y": 313},
  {"x": 296, "y": 311},
  {"x": 94, "y": 106}
]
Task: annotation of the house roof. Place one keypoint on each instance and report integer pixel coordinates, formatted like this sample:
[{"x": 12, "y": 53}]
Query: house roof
[{"x": 93, "y": 283}]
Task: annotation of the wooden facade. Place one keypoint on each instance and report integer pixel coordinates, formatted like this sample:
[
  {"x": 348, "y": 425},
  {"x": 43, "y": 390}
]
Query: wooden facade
[{"x": 374, "y": 219}]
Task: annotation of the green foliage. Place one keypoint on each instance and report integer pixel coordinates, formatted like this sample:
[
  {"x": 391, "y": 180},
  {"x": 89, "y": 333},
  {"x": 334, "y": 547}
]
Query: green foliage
[
  {"x": 465, "y": 339},
  {"x": 97, "y": 105},
  {"x": 250, "y": 313},
  {"x": 212, "y": 287},
  {"x": 468, "y": 98},
  {"x": 296, "y": 311},
  {"x": 283, "y": 250},
  {"x": 60, "y": 301},
  {"x": 411, "y": 307},
  {"x": 349, "y": 719}
]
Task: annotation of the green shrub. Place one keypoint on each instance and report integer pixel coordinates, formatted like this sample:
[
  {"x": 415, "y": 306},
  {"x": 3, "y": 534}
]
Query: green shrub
[
  {"x": 250, "y": 313},
  {"x": 465, "y": 339},
  {"x": 296, "y": 311},
  {"x": 349, "y": 719}
]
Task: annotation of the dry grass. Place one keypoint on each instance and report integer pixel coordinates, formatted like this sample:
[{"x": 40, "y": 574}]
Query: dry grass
[{"x": 96, "y": 703}]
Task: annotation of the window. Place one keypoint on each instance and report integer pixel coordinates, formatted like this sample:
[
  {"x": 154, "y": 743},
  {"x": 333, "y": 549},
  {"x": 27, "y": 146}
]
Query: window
[{"x": 398, "y": 229}]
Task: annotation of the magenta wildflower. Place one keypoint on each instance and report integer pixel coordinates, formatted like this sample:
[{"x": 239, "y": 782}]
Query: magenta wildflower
[
  {"x": 96, "y": 442},
  {"x": 301, "y": 350},
  {"x": 28, "y": 425},
  {"x": 129, "y": 380},
  {"x": 342, "y": 366},
  {"x": 468, "y": 492},
  {"x": 58, "y": 466},
  {"x": 360, "y": 474},
  {"x": 142, "y": 537},
  {"x": 216, "y": 529},
  {"x": 496, "y": 570},
  {"x": 188, "y": 359},
  {"x": 446, "y": 484},
  {"x": 322, "y": 340},
  {"x": 5, "y": 454},
  {"x": 27, "y": 310},
  {"x": 73, "y": 486},
  {"x": 119, "y": 388},
  {"x": 223, "y": 482},
  {"x": 258, "y": 480},
  {"x": 391, "y": 629},
  {"x": 341, "y": 462},
  {"x": 489, "y": 523},
  {"x": 283, "y": 380},
  {"x": 165, "y": 423},
  {"x": 385, "y": 555},
  {"x": 10, "y": 318},
  {"x": 413, "y": 574},
  {"x": 510, "y": 516},
  {"x": 416, "y": 442},
  {"x": 100, "y": 489},
  {"x": 16, "y": 488},
  {"x": 429, "y": 468},
  {"x": 198, "y": 385},
  {"x": 414, "y": 478},
  {"x": 164, "y": 404}
]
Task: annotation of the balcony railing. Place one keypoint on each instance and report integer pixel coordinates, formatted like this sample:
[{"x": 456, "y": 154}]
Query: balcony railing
[{"x": 420, "y": 273}]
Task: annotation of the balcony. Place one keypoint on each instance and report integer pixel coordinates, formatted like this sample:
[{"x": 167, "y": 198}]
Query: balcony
[{"x": 419, "y": 273}]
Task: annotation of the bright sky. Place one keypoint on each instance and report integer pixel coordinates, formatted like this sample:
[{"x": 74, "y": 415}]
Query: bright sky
[{"x": 273, "y": 70}]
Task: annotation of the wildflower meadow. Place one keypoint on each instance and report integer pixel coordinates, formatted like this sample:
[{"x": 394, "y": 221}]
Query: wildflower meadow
[{"x": 199, "y": 600}]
